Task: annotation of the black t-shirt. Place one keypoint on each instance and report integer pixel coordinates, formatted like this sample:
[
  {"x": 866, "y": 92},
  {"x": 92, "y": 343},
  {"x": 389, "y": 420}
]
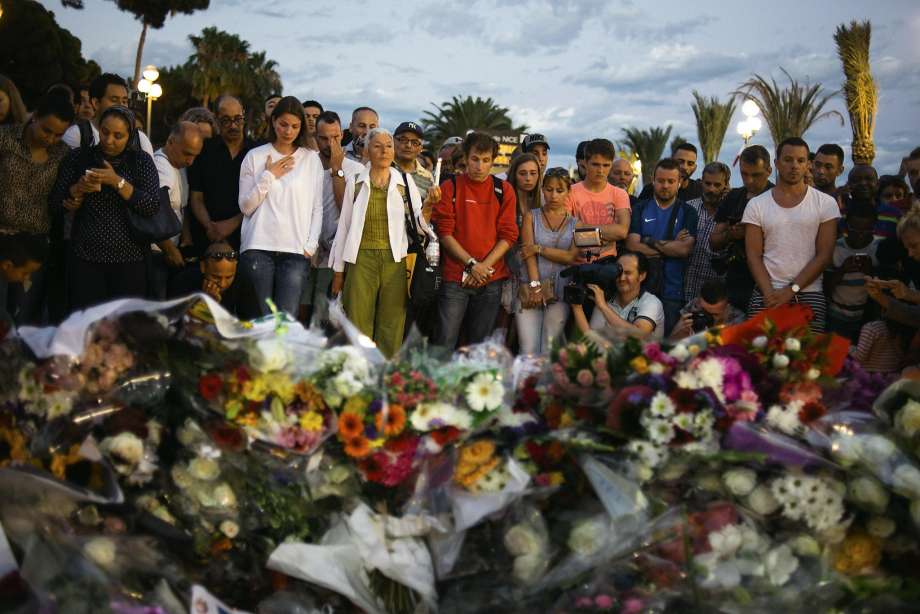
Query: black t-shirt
[
  {"x": 216, "y": 175},
  {"x": 693, "y": 190},
  {"x": 730, "y": 211}
]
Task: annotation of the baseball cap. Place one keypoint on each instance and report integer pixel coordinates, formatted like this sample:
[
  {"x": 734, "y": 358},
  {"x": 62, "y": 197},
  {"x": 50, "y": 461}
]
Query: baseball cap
[
  {"x": 409, "y": 127},
  {"x": 533, "y": 139},
  {"x": 452, "y": 140}
]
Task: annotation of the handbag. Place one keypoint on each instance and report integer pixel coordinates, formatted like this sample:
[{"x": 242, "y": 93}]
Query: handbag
[
  {"x": 162, "y": 225},
  {"x": 547, "y": 284},
  {"x": 426, "y": 277}
]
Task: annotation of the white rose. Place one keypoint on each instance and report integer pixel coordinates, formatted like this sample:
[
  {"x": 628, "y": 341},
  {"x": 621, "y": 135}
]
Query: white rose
[
  {"x": 726, "y": 541},
  {"x": 780, "y": 564},
  {"x": 760, "y": 342},
  {"x": 100, "y": 550},
  {"x": 229, "y": 528},
  {"x": 780, "y": 361},
  {"x": 762, "y": 501},
  {"x": 269, "y": 355},
  {"x": 521, "y": 540},
  {"x": 589, "y": 536},
  {"x": 740, "y": 482},
  {"x": 793, "y": 344},
  {"x": 908, "y": 419},
  {"x": 876, "y": 449},
  {"x": 202, "y": 468},
  {"x": 680, "y": 352},
  {"x": 813, "y": 374},
  {"x": 870, "y": 493},
  {"x": 805, "y": 545},
  {"x": 126, "y": 447},
  {"x": 906, "y": 480},
  {"x": 881, "y": 527},
  {"x": 528, "y": 569}
]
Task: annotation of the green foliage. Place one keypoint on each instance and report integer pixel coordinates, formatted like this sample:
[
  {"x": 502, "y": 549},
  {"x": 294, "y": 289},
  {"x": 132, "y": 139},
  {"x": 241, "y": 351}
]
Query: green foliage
[
  {"x": 677, "y": 140},
  {"x": 789, "y": 111},
  {"x": 458, "y": 116},
  {"x": 647, "y": 145},
  {"x": 154, "y": 12},
  {"x": 36, "y": 53},
  {"x": 712, "y": 120}
]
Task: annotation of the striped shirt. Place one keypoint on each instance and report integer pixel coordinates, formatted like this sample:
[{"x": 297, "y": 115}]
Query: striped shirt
[
  {"x": 849, "y": 298},
  {"x": 878, "y": 350}
]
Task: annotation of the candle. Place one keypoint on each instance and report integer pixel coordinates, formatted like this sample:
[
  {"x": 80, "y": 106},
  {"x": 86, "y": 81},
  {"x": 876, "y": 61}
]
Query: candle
[{"x": 437, "y": 173}]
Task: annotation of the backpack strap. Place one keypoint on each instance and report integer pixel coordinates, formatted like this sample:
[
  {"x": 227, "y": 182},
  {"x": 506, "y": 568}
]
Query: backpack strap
[
  {"x": 669, "y": 235},
  {"x": 86, "y": 133},
  {"x": 498, "y": 186},
  {"x": 411, "y": 224}
]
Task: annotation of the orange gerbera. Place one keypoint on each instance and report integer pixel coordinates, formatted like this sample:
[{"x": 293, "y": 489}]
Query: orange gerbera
[
  {"x": 357, "y": 447},
  {"x": 391, "y": 421},
  {"x": 351, "y": 425}
]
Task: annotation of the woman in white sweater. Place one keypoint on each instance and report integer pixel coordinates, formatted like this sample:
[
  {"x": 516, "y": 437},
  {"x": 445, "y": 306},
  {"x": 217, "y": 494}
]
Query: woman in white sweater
[
  {"x": 372, "y": 242},
  {"x": 281, "y": 197}
]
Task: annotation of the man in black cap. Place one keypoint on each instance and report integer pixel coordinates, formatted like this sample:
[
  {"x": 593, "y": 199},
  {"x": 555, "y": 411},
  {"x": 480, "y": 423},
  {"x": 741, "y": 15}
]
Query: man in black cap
[
  {"x": 537, "y": 145},
  {"x": 408, "y": 138}
]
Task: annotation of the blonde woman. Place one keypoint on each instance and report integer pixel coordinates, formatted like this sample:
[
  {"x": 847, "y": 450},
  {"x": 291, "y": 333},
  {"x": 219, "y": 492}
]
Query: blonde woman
[{"x": 369, "y": 252}]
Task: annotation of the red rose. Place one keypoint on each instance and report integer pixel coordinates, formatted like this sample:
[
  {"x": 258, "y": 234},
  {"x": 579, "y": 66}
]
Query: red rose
[
  {"x": 209, "y": 386},
  {"x": 811, "y": 412},
  {"x": 444, "y": 436}
]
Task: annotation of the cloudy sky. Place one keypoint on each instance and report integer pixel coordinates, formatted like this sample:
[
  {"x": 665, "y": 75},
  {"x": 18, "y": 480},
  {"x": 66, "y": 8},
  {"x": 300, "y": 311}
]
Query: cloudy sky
[{"x": 572, "y": 69}]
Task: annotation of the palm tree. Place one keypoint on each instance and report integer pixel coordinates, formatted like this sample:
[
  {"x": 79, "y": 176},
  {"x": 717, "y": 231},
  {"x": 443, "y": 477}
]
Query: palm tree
[
  {"x": 458, "y": 116},
  {"x": 219, "y": 64},
  {"x": 677, "y": 140},
  {"x": 261, "y": 79},
  {"x": 791, "y": 111},
  {"x": 859, "y": 88},
  {"x": 712, "y": 120},
  {"x": 648, "y": 146}
]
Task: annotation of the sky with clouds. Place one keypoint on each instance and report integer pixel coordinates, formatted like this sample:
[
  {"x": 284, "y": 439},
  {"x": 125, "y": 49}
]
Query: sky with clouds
[{"x": 571, "y": 69}]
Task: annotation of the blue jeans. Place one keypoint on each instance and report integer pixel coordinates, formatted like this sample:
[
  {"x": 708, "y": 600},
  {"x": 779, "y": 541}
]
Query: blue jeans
[
  {"x": 473, "y": 309},
  {"x": 279, "y": 276},
  {"x": 540, "y": 327}
]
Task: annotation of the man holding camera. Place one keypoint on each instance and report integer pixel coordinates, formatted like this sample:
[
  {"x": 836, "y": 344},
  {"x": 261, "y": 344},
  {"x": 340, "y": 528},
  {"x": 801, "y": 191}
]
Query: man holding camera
[
  {"x": 710, "y": 308},
  {"x": 632, "y": 310}
]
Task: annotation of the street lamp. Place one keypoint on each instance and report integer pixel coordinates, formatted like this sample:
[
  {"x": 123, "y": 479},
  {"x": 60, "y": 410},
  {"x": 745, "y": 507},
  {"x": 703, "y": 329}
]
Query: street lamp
[
  {"x": 153, "y": 90},
  {"x": 749, "y": 126}
]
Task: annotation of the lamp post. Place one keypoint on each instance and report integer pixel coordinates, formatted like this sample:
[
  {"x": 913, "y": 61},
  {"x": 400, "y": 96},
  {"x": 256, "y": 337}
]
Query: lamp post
[
  {"x": 153, "y": 90},
  {"x": 749, "y": 126}
]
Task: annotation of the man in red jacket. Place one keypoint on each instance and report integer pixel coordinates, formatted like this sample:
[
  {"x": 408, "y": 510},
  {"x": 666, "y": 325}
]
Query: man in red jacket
[{"x": 475, "y": 220}]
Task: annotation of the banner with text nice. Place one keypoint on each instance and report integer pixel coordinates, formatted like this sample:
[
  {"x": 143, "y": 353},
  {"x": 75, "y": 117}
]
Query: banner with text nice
[{"x": 508, "y": 141}]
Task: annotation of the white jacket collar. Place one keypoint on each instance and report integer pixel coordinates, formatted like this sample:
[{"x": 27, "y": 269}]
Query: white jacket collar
[{"x": 365, "y": 176}]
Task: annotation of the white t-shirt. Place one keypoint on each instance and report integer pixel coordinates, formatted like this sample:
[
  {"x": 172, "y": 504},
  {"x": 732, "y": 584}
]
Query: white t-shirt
[
  {"x": 331, "y": 209},
  {"x": 646, "y": 306},
  {"x": 175, "y": 179},
  {"x": 281, "y": 215},
  {"x": 72, "y": 138},
  {"x": 789, "y": 235}
]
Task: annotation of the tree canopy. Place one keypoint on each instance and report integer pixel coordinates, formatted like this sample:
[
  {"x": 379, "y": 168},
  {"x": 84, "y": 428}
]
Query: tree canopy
[
  {"x": 458, "y": 116},
  {"x": 35, "y": 52},
  {"x": 647, "y": 145}
]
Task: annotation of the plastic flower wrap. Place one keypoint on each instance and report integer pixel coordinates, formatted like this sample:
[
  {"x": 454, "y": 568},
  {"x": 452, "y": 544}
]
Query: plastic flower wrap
[
  {"x": 342, "y": 372},
  {"x": 527, "y": 541}
]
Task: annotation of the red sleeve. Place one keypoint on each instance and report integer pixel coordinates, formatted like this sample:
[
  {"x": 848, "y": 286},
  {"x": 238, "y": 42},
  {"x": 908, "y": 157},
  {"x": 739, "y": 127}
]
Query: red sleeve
[
  {"x": 507, "y": 215},
  {"x": 444, "y": 215}
]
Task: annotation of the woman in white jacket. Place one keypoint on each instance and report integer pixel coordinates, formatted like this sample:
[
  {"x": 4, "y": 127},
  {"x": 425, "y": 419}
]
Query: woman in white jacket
[
  {"x": 281, "y": 197},
  {"x": 371, "y": 243}
]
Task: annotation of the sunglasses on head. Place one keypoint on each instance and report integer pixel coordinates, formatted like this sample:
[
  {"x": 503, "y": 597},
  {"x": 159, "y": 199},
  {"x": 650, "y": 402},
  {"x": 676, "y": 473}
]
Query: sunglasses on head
[
  {"x": 557, "y": 171},
  {"x": 231, "y": 255}
]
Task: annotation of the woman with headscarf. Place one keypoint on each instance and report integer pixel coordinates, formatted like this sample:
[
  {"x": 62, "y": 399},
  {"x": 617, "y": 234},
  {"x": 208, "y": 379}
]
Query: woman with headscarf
[{"x": 101, "y": 183}]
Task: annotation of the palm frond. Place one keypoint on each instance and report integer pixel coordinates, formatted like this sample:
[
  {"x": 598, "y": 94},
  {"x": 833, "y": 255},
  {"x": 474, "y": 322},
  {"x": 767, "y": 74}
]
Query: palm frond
[
  {"x": 859, "y": 88},
  {"x": 712, "y": 120},
  {"x": 647, "y": 145}
]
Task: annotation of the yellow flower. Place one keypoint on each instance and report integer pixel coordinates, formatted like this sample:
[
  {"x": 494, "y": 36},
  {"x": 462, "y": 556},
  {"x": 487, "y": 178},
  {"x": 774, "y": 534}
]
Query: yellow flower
[
  {"x": 858, "y": 553},
  {"x": 477, "y": 453},
  {"x": 555, "y": 478},
  {"x": 357, "y": 405},
  {"x": 255, "y": 389},
  {"x": 565, "y": 420},
  {"x": 639, "y": 364},
  {"x": 311, "y": 421}
]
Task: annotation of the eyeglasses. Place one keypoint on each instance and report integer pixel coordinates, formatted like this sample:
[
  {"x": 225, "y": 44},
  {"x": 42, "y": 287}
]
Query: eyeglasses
[
  {"x": 410, "y": 142},
  {"x": 231, "y": 255},
  {"x": 232, "y": 121}
]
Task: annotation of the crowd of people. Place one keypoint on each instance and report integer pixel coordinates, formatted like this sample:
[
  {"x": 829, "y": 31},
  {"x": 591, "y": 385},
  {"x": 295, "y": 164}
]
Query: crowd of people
[{"x": 314, "y": 209}]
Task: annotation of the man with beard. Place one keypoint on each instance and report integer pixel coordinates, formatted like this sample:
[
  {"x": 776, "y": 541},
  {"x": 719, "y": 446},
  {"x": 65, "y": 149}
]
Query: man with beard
[
  {"x": 685, "y": 155},
  {"x": 214, "y": 180},
  {"x": 338, "y": 168},
  {"x": 727, "y": 237},
  {"x": 716, "y": 177},
  {"x": 790, "y": 232}
]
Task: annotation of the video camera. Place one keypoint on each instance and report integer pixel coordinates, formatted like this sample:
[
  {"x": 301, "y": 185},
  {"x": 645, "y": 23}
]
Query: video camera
[{"x": 603, "y": 272}]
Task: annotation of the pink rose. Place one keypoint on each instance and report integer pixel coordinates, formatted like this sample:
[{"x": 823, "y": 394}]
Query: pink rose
[
  {"x": 604, "y": 601},
  {"x": 585, "y": 378},
  {"x": 632, "y": 605},
  {"x": 563, "y": 357}
]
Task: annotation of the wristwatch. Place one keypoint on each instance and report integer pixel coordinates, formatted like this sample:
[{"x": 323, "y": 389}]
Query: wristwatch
[
  {"x": 337, "y": 173},
  {"x": 535, "y": 284},
  {"x": 795, "y": 288},
  {"x": 121, "y": 184},
  {"x": 470, "y": 264}
]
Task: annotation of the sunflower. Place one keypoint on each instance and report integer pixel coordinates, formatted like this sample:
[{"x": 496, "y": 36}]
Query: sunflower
[
  {"x": 350, "y": 425},
  {"x": 357, "y": 447},
  {"x": 393, "y": 422}
]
